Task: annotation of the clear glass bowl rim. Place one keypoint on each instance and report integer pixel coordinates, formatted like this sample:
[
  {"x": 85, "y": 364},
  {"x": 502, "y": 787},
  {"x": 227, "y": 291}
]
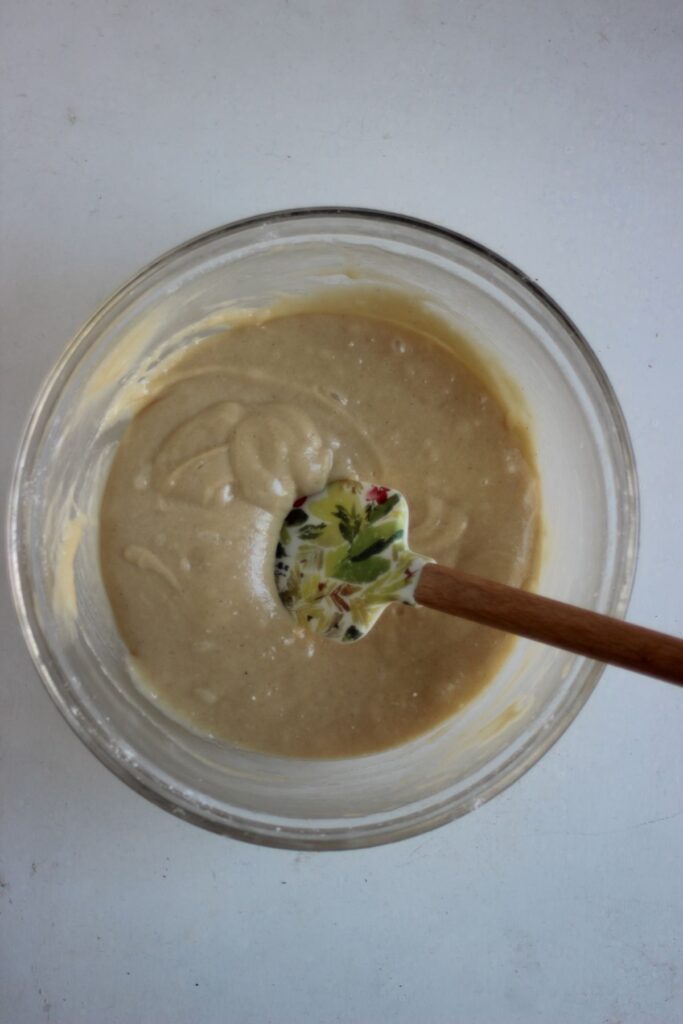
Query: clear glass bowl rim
[{"x": 239, "y": 826}]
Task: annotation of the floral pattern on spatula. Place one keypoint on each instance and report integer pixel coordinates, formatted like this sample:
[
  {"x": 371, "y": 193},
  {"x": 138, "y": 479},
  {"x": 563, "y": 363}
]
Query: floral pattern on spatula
[{"x": 342, "y": 557}]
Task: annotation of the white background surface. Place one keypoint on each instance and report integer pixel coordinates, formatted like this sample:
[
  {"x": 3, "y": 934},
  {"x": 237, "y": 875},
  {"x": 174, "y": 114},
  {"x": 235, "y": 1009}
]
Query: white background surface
[{"x": 552, "y": 132}]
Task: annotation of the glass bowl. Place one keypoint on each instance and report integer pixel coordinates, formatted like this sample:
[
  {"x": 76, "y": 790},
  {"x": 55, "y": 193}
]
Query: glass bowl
[{"x": 590, "y": 503}]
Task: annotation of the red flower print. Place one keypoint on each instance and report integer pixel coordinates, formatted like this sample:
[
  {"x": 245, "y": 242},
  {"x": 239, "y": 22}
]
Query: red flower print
[
  {"x": 377, "y": 494},
  {"x": 299, "y": 501}
]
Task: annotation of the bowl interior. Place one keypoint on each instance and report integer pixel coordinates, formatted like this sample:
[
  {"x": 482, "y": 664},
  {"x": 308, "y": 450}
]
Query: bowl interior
[{"x": 589, "y": 503}]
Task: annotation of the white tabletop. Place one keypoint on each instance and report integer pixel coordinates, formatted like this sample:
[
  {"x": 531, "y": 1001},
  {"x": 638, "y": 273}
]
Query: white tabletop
[{"x": 551, "y": 132}]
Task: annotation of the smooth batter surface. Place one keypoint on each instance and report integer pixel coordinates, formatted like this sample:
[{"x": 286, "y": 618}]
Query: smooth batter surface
[{"x": 236, "y": 429}]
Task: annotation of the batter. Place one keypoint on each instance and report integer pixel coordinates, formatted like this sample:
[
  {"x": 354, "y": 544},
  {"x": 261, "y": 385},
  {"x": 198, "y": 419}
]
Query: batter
[{"x": 236, "y": 429}]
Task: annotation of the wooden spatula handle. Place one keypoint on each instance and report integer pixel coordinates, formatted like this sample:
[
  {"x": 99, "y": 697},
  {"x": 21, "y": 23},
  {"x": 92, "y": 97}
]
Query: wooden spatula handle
[{"x": 552, "y": 622}]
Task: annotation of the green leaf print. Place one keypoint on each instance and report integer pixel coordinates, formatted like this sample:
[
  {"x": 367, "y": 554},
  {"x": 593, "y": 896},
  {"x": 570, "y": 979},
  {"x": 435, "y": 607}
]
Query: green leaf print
[
  {"x": 375, "y": 512},
  {"x": 349, "y": 522},
  {"x": 312, "y": 530},
  {"x": 376, "y": 547},
  {"x": 371, "y": 535},
  {"x": 361, "y": 572}
]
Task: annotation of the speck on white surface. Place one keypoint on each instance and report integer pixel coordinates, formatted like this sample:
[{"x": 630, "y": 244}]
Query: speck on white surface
[{"x": 549, "y": 131}]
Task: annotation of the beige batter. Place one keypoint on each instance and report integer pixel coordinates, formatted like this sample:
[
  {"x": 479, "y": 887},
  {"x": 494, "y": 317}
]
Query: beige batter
[{"x": 237, "y": 428}]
